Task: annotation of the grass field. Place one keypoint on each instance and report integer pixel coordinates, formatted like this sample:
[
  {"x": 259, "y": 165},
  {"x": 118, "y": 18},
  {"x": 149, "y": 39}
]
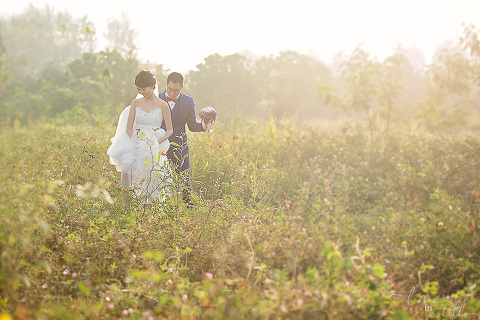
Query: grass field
[{"x": 323, "y": 223}]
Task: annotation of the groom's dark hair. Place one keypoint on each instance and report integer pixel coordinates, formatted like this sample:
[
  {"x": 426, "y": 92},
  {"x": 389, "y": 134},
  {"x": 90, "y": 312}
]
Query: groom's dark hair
[{"x": 175, "y": 77}]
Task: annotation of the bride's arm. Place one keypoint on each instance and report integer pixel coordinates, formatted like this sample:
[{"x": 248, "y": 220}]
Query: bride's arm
[
  {"x": 168, "y": 121},
  {"x": 131, "y": 118}
]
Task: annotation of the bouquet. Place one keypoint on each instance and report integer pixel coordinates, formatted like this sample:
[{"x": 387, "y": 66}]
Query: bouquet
[{"x": 208, "y": 115}]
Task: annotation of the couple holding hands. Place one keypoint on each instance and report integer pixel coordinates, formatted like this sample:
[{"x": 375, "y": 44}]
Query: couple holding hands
[{"x": 151, "y": 140}]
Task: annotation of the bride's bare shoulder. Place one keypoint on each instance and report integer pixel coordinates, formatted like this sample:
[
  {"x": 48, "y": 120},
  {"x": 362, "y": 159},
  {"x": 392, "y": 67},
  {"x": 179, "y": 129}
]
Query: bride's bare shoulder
[
  {"x": 160, "y": 103},
  {"x": 135, "y": 102}
]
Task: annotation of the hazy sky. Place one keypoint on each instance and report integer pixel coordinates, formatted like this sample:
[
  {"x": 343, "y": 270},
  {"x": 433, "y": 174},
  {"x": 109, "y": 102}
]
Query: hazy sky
[{"x": 180, "y": 34}]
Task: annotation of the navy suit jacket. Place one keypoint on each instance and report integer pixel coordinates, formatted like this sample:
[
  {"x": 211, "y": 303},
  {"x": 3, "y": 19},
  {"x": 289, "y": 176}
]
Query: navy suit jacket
[{"x": 182, "y": 114}]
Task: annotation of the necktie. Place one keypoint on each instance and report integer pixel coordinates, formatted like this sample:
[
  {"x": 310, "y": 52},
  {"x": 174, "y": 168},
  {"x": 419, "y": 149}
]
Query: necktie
[{"x": 170, "y": 99}]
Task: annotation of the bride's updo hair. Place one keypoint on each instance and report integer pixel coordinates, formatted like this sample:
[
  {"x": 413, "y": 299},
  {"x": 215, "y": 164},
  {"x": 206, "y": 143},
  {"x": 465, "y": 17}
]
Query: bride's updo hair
[{"x": 145, "y": 78}]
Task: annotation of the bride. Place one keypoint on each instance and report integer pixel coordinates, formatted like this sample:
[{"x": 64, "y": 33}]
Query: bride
[{"x": 139, "y": 147}]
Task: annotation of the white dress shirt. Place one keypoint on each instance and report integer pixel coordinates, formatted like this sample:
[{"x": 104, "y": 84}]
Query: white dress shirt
[{"x": 171, "y": 104}]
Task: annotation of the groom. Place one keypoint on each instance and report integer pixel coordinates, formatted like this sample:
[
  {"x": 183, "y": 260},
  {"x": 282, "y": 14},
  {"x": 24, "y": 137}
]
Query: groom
[{"x": 183, "y": 113}]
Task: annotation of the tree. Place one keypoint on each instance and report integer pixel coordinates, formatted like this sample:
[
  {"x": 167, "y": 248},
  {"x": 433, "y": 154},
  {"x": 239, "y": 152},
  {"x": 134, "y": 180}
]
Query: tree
[
  {"x": 226, "y": 83},
  {"x": 369, "y": 87},
  {"x": 454, "y": 79},
  {"x": 121, "y": 37},
  {"x": 285, "y": 82},
  {"x": 103, "y": 80},
  {"x": 39, "y": 37},
  {"x": 101, "y": 83}
]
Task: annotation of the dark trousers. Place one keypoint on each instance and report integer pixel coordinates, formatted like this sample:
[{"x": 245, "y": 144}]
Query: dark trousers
[{"x": 180, "y": 160}]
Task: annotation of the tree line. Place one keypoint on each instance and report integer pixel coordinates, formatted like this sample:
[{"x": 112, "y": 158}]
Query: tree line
[{"x": 49, "y": 69}]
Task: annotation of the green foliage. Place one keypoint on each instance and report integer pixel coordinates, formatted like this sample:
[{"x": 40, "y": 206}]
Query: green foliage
[
  {"x": 121, "y": 36},
  {"x": 454, "y": 85},
  {"x": 369, "y": 88},
  {"x": 38, "y": 37},
  {"x": 226, "y": 83},
  {"x": 286, "y": 84},
  {"x": 318, "y": 224},
  {"x": 278, "y": 85},
  {"x": 48, "y": 67}
]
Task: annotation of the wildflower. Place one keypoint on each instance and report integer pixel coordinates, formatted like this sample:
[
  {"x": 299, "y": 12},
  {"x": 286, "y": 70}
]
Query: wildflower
[
  {"x": 111, "y": 306},
  {"x": 5, "y": 316},
  {"x": 440, "y": 224},
  {"x": 235, "y": 137},
  {"x": 299, "y": 303},
  {"x": 130, "y": 310},
  {"x": 388, "y": 240},
  {"x": 283, "y": 308},
  {"x": 74, "y": 275},
  {"x": 170, "y": 270},
  {"x": 404, "y": 243},
  {"x": 66, "y": 271},
  {"x": 125, "y": 312},
  {"x": 220, "y": 144},
  {"x": 209, "y": 275},
  {"x": 45, "y": 286},
  {"x": 267, "y": 281}
]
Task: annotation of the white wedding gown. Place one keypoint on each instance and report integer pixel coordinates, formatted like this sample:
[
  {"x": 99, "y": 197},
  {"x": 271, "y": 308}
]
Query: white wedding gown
[{"x": 142, "y": 156}]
